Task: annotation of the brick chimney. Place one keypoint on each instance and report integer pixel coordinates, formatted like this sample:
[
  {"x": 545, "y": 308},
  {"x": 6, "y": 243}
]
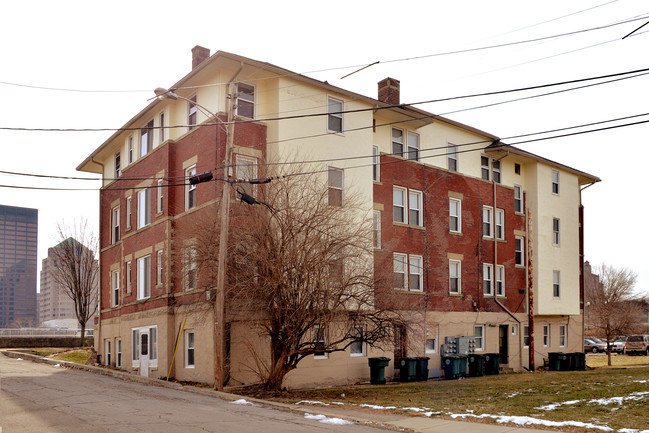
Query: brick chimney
[
  {"x": 199, "y": 54},
  {"x": 389, "y": 91}
]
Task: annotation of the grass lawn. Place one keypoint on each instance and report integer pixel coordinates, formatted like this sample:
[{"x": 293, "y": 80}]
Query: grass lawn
[
  {"x": 615, "y": 397},
  {"x": 79, "y": 356}
]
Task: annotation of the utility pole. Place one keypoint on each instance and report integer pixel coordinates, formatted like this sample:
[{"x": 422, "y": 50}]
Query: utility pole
[{"x": 530, "y": 289}]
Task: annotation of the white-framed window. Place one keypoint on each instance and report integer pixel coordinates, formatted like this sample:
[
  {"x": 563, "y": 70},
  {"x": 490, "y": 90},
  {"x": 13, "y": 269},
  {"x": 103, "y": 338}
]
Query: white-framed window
[
  {"x": 556, "y": 284},
  {"x": 519, "y": 250},
  {"x": 108, "y": 358},
  {"x": 400, "y": 265},
  {"x": 526, "y": 336},
  {"x": 246, "y": 170},
  {"x": 415, "y": 208},
  {"x": 563, "y": 335},
  {"x": 143, "y": 277},
  {"x": 518, "y": 199},
  {"x": 189, "y": 349},
  {"x": 358, "y": 346},
  {"x": 192, "y": 112},
  {"x": 144, "y": 339},
  {"x": 159, "y": 267},
  {"x": 431, "y": 339},
  {"x": 556, "y": 232},
  {"x": 114, "y": 286},
  {"x": 413, "y": 146},
  {"x": 399, "y": 204},
  {"x": 546, "y": 335},
  {"x": 129, "y": 211},
  {"x": 479, "y": 336},
  {"x": 500, "y": 224},
  {"x": 335, "y": 183},
  {"x": 320, "y": 342},
  {"x": 452, "y": 157},
  {"x": 246, "y": 100},
  {"x": 376, "y": 164},
  {"x": 495, "y": 168},
  {"x": 455, "y": 215},
  {"x": 159, "y": 201},
  {"x": 146, "y": 139},
  {"x": 484, "y": 167},
  {"x": 487, "y": 222},
  {"x": 334, "y": 115},
  {"x": 397, "y": 142},
  {"x": 416, "y": 275},
  {"x": 190, "y": 268},
  {"x": 455, "y": 277},
  {"x": 376, "y": 228},
  {"x": 129, "y": 149},
  {"x": 129, "y": 275},
  {"x": 118, "y": 352},
  {"x": 114, "y": 222},
  {"x": 143, "y": 208},
  {"x": 500, "y": 280},
  {"x": 162, "y": 134},
  {"x": 488, "y": 279},
  {"x": 118, "y": 168},
  {"x": 514, "y": 329},
  {"x": 190, "y": 190},
  {"x": 555, "y": 182}
]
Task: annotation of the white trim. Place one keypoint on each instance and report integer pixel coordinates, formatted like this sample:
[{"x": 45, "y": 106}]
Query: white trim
[
  {"x": 457, "y": 264},
  {"x": 416, "y": 272},
  {"x": 487, "y": 276},
  {"x": 363, "y": 351},
  {"x": 335, "y": 114},
  {"x": 419, "y": 200},
  {"x": 403, "y": 206},
  {"x": 458, "y": 217},
  {"x": 188, "y": 348},
  {"x": 479, "y": 338},
  {"x": 500, "y": 280},
  {"x": 400, "y": 265},
  {"x": 488, "y": 221}
]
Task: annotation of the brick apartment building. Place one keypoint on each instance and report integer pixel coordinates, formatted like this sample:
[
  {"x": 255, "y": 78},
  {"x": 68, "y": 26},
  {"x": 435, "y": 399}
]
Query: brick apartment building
[{"x": 467, "y": 228}]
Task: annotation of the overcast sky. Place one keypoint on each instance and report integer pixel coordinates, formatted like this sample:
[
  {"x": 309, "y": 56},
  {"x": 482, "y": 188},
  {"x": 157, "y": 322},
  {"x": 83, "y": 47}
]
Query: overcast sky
[{"x": 105, "y": 59}]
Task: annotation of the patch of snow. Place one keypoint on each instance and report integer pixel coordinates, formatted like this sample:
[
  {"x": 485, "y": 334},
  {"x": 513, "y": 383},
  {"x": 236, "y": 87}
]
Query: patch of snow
[
  {"x": 19, "y": 359},
  {"x": 619, "y": 400},
  {"x": 327, "y": 420},
  {"x": 312, "y": 402},
  {"x": 57, "y": 365},
  {"x": 242, "y": 401},
  {"x": 512, "y": 395},
  {"x": 526, "y": 420},
  {"x": 553, "y": 406},
  {"x": 373, "y": 406}
]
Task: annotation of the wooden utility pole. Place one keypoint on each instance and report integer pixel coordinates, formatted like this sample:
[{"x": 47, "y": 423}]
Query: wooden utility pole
[{"x": 530, "y": 289}]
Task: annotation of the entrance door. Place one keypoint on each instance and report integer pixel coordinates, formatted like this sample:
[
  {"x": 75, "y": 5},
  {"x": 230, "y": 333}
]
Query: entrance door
[
  {"x": 144, "y": 353},
  {"x": 503, "y": 344}
]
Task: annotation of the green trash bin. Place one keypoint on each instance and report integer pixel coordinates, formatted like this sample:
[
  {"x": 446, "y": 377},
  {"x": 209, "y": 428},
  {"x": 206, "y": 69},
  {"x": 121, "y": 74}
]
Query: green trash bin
[
  {"x": 377, "y": 369},
  {"x": 554, "y": 363},
  {"x": 476, "y": 365},
  {"x": 492, "y": 363},
  {"x": 578, "y": 361},
  {"x": 422, "y": 367},
  {"x": 407, "y": 369},
  {"x": 454, "y": 366}
]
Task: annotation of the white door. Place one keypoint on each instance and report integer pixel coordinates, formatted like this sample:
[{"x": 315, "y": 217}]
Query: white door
[{"x": 144, "y": 353}]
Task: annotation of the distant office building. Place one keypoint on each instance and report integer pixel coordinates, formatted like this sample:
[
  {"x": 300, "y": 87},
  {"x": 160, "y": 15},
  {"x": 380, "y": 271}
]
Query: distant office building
[{"x": 18, "y": 243}]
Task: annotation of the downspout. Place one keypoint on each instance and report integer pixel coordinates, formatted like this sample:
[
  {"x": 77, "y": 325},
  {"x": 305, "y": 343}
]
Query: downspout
[{"x": 97, "y": 336}]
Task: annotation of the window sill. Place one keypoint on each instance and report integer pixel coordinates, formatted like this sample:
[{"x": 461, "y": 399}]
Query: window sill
[
  {"x": 488, "y": 238},
  {"x": 410, "y": 226},
  {"x": 456, "y": 295},
  {"x": 357, "y": 355},
  {"x": 451, "y": 232}
]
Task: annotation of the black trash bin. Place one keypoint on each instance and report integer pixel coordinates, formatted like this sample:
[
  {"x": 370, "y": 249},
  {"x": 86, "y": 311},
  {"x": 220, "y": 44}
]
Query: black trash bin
[
  {"x": 579, "y": 361},
  {"x": 492, "y": 363},
  {"x": 476, "y": 365},
  {"x": 377, "y": 369},
  {"x": 422, "y": 367},
  {"x": 554, "y": 364},
  {"x": 407, "y": 369},
  {"x": 454, "y": 366}
]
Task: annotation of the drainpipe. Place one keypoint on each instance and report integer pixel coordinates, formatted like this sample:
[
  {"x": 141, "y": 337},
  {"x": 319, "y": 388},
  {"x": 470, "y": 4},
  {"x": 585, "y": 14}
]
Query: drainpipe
[{"x": 97, "y": 335}]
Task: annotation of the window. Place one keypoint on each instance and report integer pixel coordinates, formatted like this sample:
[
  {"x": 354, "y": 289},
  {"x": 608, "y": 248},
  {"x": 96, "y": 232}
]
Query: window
[
  {"x": 118, "y": 352},
  {"x": 192, "y": 112},
  {"x": 495, "y": 168},
  {"x": 246, "y": 170},
  {"x": 563, "y": 335},
  {"x": 336, "y": 271},
  {"x": 519, "y": 252},
  {"x": 416, "y": 267},
  {"x": 190, "y": 268},
  {"x": 129, "y": 274},
  {"x": 376, "y": 228},
  {"x": 334, "y": 115},
  {"x": 189, "y": 349},
  {"x": 455, "y": 277},
  {"x": 143, "y": 208},
  {"x": 478, "y": 334},
  {"x": 556, "y": 284},
  {"x": 357, "y": 347},
  {"x": 107, "y": 358},
  {"x": 148, "y": 336},
  {"x": 526, "y": 336},
  {"x": 500, "y": 224},
  {"x": 129, "y": 148},
  {"x": 413, "y": 146},
  {"x": 114, "y": 284},
  {"x": 159, "y": 267},
  {"x": 335, "y": 186},
  {"x": 500, "y": 280},
  {"x": 160, "y": 196},
  {"x": 431, "y": 345},
  {"x": 118, "y": 171},
  {"x": 556, "y": 238},
  {"x": 455, "y": 215},
  {"x": 555, "y": 182},
  {"x": 162, "y": 127},
  {"x": 484, "y": 167},
  {"x": 487, "y": 222},
  {"x": 129, "y": 212},
  {"x": 114, "y": 222},
  {"x": 245, "y": 100},
  {"x": 144, "y": 277},
  {"x": 451, "y": 155},
  {"x": 546, "y": 335},
  {"x": 397, "y": 142},
  {"x": 376, "y": 164},
  {"x": 514, "y": 329},
  {"x": 135, "y": 346},
  {"x": 190, "y": 190},
  {"x": 400, "y": 263},
  {"x": 518, "y": 199},
  {"x": 414, "y": 214},
  {"x": 487, "y": 279},
  {"x": 146, "y": 139},
  {"x": 319, "y": 342},
  {"x": 399, "y": 204},
  {"x": 517, "y": 168}
]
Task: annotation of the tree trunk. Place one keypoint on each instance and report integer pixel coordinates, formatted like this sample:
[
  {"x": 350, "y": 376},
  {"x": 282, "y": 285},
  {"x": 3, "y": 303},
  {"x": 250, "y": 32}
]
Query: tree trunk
[
  {"x": 608, "y": 353},
  {"x": 83, "y": 335}
]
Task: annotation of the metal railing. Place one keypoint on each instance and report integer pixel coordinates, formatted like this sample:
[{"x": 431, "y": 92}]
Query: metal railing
[{"x": 43, "y": 332}]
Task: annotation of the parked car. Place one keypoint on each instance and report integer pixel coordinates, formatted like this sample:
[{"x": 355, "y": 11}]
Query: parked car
[
  {"x": 637, "y": 345},
  {"x": 594, "y": 346},
  {"x": 619, "y": 345}
]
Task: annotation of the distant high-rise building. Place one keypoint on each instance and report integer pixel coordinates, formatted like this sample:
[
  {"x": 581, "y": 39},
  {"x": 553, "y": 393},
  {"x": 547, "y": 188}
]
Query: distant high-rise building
[{"x": 18, "y": 268}]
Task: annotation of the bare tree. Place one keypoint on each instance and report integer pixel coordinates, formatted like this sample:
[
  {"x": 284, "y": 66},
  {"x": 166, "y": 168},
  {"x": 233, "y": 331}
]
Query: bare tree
[
  {"x": 614, "y": 308},
  {"x": 76, "y": 270}
]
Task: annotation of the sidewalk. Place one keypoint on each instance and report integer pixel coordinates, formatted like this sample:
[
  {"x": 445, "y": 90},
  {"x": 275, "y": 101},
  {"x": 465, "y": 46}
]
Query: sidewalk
[{"x": 385, "y": 419}]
